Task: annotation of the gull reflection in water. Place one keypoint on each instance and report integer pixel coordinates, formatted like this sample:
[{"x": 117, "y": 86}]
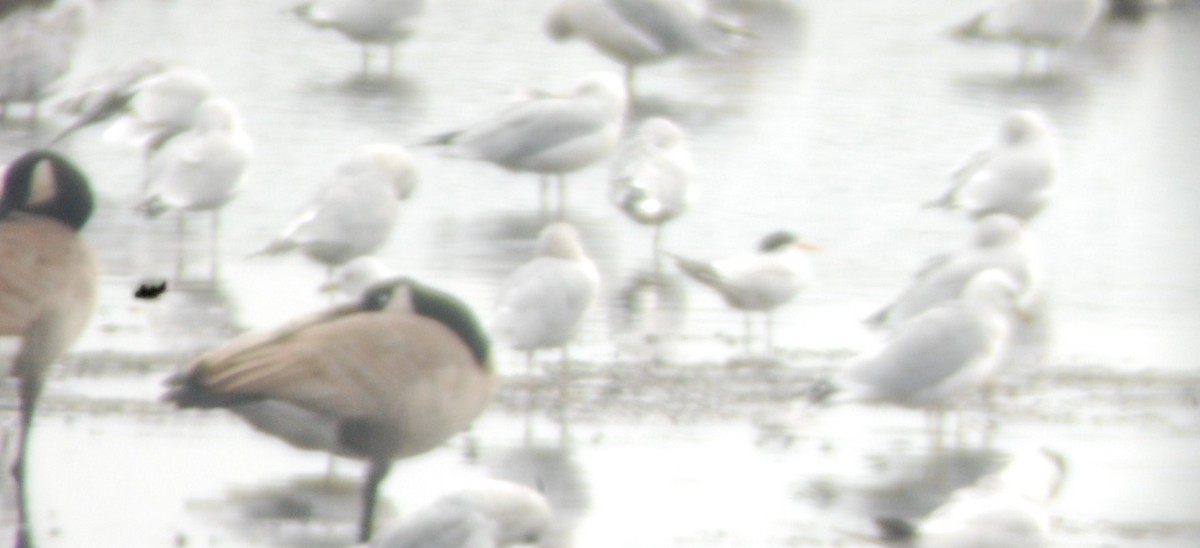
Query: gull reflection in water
[
  {"x": 647, "y": 315},
  {"x": 554, "y": 472}
]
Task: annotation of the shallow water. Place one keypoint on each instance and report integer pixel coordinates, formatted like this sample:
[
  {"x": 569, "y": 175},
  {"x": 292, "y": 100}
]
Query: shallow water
[{"x": 846, "y": 117}]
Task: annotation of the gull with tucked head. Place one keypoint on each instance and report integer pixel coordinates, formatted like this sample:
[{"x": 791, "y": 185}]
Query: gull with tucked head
[
  {"x": 367, "y": 22},
  {"x": 1032, "y": 24},
  {"x": 934, "y": 359},
  {"x": 548, "y": 134},
  {"x": 354, "y": 211},
  {"x": 652, "y": 175},
  {"x": 487, "y": 513},
  {"x": 1000, "y": 241},
  {"x": 1015, "y": 175},
  {"x": 640, "y": 32}
]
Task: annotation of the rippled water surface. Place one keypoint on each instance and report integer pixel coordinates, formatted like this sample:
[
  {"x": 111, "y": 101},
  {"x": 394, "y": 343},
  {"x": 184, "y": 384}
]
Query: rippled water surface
[{"x": 841, "y": 121}]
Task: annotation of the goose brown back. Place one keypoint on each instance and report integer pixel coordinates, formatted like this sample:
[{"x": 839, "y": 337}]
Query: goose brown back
[{"x": 392, "y": 376}]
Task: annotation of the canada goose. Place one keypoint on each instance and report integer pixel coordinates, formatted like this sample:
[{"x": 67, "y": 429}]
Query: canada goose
[
  {"x": 551, "y": 135},
  {"x": 1031, "y": 24},
  {"x": 391, "y": 376},
  {"x": 37, "y": 47},
  {"x": 354, "y": 211},
  {"x": 48, "y": 275},
  {"x": 367, "y": 22},
  {"x": 639, "y": 32},
  {"x": 1000, "y": 241},
  {"x": 1015, "y": 175},
  {"x": 758, "y": 282},
  {"x": 488, "y": 512},
  {"x": 652, "y": 175}
]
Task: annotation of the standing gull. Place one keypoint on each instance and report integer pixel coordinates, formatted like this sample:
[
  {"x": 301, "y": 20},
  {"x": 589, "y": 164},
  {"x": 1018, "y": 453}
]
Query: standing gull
[
  {"x": 367, "y": 22},
  {"x": 391, "y": 376},
  {"x": 162, "y": 105},
  {"x": 1000, "y": 241},
  {"x": 543, "y": 303},
  {"x": 354, "y": 212},
  {"x": 200, "y": 169},
  {"x": 1015, "y": 175},
  {"x": 652, "y": 175},
  {"x": 550, "y": 135},
  {"x": 760, "y": 281},
  {"x": 1032, "y": 24},
  {"x": 939, "y": 356},
  {"x": 639, "y": 32},
  {"x": 37, "y": 48},
  {"x": 48, "y": 279},
  {"x": 104, "y": 94}
]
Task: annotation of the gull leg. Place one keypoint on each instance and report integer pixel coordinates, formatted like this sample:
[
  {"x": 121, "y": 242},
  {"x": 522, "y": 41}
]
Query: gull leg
[
  {"x": 630, "y": 72},
  {"x": 214, "y": 246},
  {"x": 562, "y": 196},
  {"x": 770, "y": 332},
  {"x": 529, "y": 397},
  {"x": 181, "y": 246},
  {"x": 543, "y": 189},
  {"x": 564, "y": 394},
  {"x": 391, "y": 62}
]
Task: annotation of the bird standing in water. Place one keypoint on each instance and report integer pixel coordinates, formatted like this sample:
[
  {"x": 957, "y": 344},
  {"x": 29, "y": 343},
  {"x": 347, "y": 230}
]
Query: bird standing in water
[
  {"x": 48, "y": 279},
  {"x": 760, "y": 281},
  {"x": 388, "y": 377}
]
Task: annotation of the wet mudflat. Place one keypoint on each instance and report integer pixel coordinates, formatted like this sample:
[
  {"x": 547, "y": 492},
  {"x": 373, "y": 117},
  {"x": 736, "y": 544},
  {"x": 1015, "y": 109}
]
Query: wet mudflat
[
  {"x": 701, "y": 454},
  {"x": 674, "y": 433}
]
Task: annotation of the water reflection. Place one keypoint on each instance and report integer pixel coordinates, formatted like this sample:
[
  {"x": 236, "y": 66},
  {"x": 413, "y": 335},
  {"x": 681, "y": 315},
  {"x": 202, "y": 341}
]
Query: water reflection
[
  {"x": 558, "y": 475},
  {"x": 1068, "y": 95},
  {"x": 192, "y": 316},
  {"x": 896, "y": 485},
  {"x": 647, "y": 314},
  {"x": 302, "y": 510}
]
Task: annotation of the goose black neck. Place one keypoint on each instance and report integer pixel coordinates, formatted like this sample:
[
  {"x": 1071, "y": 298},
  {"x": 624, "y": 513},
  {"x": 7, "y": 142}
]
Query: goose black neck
[
  {"x": 72, "y": 201},
  {"x": 453, "y": 313}
]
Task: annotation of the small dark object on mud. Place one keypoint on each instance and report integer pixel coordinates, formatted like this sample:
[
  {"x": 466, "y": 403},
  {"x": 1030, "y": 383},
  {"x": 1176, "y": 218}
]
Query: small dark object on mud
[{"x": 150, "y": 289}]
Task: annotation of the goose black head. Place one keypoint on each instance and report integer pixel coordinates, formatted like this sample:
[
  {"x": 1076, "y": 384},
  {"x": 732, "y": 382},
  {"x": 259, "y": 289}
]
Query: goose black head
[
  {"x": 434, "y": 304},
  {"x": 45, "y": 183}
]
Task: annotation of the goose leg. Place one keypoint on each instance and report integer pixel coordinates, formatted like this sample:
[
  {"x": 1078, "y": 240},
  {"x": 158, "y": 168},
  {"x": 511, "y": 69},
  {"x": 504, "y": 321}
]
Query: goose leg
[
  {"x": 377, "y": 470},
  {"x": 30, "y": 388}
]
